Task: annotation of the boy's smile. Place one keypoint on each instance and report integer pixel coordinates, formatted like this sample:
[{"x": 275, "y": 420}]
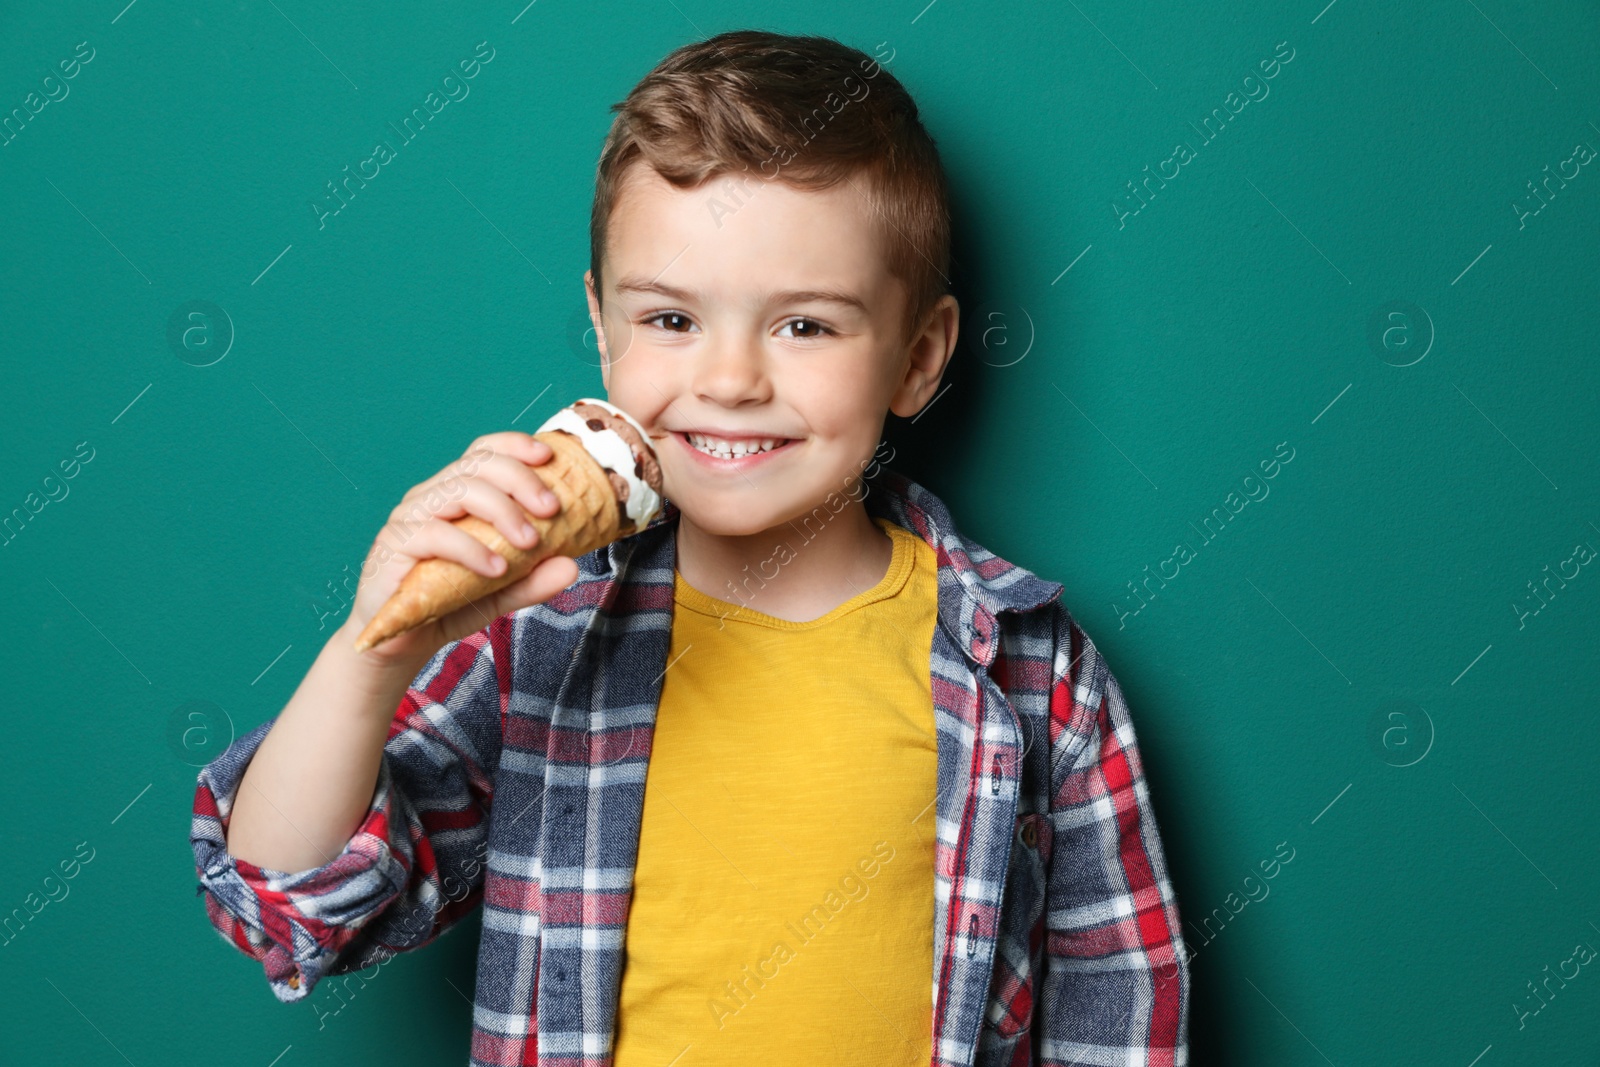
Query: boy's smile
[
  {"x": 727, "y": 450},
  {"x": 755, "y": 331}
]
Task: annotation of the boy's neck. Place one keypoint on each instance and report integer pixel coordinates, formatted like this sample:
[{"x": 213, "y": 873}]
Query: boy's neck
[{"x": 795, "y": 571}]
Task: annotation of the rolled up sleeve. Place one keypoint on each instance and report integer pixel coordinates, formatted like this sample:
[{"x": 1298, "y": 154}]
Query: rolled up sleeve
[
  {"x": 1116, "y": 981},
  {"x": 413, "y": 866}
]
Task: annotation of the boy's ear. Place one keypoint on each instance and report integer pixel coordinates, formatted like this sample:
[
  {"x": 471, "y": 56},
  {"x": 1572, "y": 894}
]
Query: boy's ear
[
  {"x": 599, "y": 329},
  {"x": 926, "y": 356}
]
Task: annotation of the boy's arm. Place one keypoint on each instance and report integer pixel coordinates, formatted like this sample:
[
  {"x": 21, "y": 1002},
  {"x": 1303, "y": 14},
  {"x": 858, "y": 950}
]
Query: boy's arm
[
  {"x": 1115, "y": 987},
  {"x": 414, "y": 864}
]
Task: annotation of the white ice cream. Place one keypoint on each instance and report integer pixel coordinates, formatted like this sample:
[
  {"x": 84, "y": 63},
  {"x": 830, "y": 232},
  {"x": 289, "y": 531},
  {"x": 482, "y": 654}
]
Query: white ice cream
[{"x": 612, "y": 452}]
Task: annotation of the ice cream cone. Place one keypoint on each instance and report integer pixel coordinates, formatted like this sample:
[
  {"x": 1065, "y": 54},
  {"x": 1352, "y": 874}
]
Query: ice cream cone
[{"x": 592, "y": 515}]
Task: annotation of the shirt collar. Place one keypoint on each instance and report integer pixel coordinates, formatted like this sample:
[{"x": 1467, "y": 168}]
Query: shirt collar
[{"x": 975, "y": 585}]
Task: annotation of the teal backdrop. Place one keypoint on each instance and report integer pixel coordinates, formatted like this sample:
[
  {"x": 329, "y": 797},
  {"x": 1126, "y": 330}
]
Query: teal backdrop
[{"x": 1277, "y": 351}]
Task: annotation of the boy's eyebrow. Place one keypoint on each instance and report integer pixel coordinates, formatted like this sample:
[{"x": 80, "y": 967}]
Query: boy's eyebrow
[{"x": 639, "y": 284}]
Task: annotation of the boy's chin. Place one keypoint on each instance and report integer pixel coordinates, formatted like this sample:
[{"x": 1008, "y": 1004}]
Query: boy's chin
[
  {"x": 728, "y": 520},
  {"x": 734, "y": 516}
]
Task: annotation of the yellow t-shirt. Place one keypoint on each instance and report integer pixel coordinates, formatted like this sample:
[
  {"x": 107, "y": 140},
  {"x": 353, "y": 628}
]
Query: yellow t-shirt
[{"x": 782, "y": 907}]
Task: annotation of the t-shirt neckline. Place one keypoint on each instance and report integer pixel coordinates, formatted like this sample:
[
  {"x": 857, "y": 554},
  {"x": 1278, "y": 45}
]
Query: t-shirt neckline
[{"x": 900, "y": 563}]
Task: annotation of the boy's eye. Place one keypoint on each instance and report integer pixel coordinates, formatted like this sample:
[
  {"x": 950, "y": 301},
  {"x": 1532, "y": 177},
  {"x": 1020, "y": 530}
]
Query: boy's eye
[
  {"x": 673, "y": 315},
  {"x": 811, "y": 328},
  {"x": 677, "y": 322}
]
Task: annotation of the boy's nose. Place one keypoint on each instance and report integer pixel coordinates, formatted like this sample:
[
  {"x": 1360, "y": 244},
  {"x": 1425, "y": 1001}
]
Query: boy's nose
[{"x": 732, "y": 371}]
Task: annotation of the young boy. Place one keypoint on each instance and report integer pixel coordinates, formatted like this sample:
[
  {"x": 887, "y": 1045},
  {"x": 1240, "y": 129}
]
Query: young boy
[{"x": 894, "y": 810}]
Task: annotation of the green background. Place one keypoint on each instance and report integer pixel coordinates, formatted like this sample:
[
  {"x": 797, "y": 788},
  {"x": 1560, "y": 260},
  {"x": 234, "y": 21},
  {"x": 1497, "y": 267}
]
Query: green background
[{"x": 1340, "y": 671}]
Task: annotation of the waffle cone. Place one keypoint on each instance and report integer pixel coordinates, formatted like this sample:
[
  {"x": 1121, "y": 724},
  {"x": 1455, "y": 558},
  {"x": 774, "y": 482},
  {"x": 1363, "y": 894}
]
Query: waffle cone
[{"x": 589, "y": 519}]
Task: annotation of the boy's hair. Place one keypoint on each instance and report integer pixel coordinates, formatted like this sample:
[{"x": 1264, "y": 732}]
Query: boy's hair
[{"x": 808, "y": 111}]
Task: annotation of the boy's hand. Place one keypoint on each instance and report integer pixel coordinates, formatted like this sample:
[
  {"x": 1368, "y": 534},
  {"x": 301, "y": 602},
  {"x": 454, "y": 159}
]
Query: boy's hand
[{"x": 494, "y": 480}]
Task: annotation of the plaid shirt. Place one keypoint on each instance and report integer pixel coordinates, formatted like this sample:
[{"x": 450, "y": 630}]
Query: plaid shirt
[{"x": 513, "y": 777}]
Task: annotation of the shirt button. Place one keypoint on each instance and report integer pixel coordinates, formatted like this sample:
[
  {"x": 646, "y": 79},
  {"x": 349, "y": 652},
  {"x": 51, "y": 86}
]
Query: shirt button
[
  {"x": 1030, "y": 833},
  {"x": 983, "y": 623}
]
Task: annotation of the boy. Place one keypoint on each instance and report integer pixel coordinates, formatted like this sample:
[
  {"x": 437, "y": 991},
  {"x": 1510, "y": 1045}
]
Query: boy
[{"x": 894, "y": 810}]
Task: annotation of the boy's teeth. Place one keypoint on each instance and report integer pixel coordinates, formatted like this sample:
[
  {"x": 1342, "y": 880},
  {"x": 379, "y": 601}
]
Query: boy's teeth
[{"x": 729, "y": 449}]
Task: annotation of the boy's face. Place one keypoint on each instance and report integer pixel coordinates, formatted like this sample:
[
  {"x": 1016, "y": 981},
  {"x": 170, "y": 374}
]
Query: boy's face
[{"x": 742, "y": 323}]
